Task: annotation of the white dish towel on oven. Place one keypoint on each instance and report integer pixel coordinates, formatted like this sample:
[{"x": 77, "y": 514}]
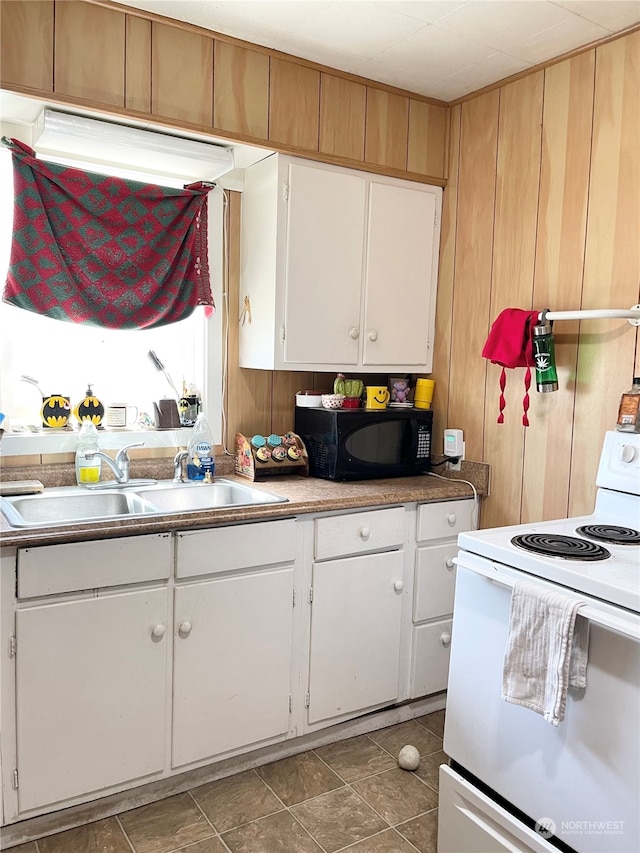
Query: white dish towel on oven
[{"x": 546, "y": 652}]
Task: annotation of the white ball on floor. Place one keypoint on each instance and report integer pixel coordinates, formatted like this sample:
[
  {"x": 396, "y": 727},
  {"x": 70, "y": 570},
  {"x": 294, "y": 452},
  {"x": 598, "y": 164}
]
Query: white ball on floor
[{"x": 408, "y": 758}]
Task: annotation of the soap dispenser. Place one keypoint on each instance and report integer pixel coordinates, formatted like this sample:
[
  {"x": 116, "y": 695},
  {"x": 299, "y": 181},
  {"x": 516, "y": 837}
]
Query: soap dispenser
[
  {"x": 201, "y": 462},
  {"x": 87, "y": 470}
]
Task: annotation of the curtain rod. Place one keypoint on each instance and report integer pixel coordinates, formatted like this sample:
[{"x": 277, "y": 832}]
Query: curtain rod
[{"x": 632, "y": 314}]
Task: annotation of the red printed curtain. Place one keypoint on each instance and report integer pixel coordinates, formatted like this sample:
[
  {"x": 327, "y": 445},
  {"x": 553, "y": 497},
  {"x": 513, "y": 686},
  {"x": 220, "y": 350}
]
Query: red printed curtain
[{"x": 103, "y": 251}]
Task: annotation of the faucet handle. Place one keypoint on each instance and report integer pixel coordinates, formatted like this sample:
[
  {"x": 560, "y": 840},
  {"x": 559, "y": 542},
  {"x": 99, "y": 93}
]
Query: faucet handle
[{"x": 123, "y": 456}]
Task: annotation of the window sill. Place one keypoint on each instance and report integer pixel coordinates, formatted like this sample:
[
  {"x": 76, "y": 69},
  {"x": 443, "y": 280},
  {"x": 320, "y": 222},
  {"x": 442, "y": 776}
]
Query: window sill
[{"x": 25, "y": 444}]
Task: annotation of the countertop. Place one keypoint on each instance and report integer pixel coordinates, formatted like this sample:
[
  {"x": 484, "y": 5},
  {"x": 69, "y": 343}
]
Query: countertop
[{"x": 304, "y": 494}]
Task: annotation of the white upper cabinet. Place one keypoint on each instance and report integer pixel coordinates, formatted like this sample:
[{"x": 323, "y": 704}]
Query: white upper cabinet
[{"x": 339, "y": 268}]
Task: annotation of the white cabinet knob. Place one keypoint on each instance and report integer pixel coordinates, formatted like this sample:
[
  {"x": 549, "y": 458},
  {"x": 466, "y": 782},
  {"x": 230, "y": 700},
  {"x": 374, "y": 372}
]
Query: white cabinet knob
[
  {"x": 354, "y": 333},
  {"x": 158, "y": 631},
  {"x": 449, "y": 563},
  {"x": 185, "y": 628},
  {"x": 627, "y": 453},
  {"x": 452, "y": 518},
  {"x": 373, "y": 335},
  {"x": 398, "y": 586},
  {"x": 365, "y": 533},
  {"x": 445, "y": 638}
]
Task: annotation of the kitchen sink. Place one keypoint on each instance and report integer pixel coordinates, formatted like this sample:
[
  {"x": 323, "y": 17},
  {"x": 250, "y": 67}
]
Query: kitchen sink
[
  {"x": 70, "y": 506},
  {"x": 76, "y": 505},
  {"x": 189, "y": 497}
]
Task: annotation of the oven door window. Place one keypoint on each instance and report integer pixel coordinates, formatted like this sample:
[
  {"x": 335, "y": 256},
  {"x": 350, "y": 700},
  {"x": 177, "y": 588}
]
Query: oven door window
[{"x": 380, "y": 443}]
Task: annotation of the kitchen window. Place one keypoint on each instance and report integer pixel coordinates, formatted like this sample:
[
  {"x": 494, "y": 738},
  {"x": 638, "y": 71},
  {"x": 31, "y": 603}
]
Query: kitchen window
[{"x": 65, "y": 358}]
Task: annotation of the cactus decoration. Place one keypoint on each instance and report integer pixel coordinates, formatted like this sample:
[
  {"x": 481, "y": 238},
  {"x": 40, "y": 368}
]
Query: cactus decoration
[{"x": 348, "y": 387}]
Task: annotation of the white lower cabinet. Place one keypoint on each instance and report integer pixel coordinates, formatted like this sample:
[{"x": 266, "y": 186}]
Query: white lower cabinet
[
  {"x": 90, "y": 674},
  {"x": 232, "y": 663},
  {"x": 356, "y": 614},
  {"x": 233, "y": 638},
  {"x": 90, "y": 694},
  {"x": 355, "y": 635},
  {"x": 437, "y": 529}
]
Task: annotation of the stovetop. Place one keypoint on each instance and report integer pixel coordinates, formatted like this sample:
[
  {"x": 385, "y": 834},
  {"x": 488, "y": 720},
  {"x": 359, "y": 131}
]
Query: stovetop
[
  {"x": 615, "y": 578},
  {"x": 603, "y": 568}
]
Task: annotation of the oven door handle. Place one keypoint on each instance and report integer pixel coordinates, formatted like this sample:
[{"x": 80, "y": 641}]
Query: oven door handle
[{"x": 614, "y": 619}]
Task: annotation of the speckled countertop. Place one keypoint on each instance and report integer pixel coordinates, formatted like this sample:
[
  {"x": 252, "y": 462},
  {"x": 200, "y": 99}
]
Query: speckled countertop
[{"x": 304, "y": 495}]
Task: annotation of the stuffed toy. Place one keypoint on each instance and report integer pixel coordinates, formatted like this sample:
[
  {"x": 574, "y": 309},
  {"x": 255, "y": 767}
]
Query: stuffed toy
[{"x": 400, "y": 391}]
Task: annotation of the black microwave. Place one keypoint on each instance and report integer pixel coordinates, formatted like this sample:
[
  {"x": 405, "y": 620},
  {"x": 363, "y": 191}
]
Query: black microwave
[{"x": 357, "y": 444}]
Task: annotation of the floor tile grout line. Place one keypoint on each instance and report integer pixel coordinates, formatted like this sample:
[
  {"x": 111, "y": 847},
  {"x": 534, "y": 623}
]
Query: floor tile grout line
[
  {"x": 348, "y": 787},
  {"x": 124, "y": 832},
  {"x": 379, "y": 772},
  {"x": 203, "y": 813},
  {"x": 269, "y": 788},
  {"x": 299, "y": 822},
  {"x": 388, "y": 829},
  {"x": 426, "y": 755},
  {"x": 253, "y": 820}
]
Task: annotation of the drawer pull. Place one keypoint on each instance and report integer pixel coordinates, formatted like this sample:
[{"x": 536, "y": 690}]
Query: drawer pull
[
  {"x": 158, "y": 631},
  {"x": 185, "y": 628},
  {"x": 365, "y": 532},
  {"x": 445, "y": 638},
  {"x": 452, "y": 518},
  {"x": 398, "y": 586},
  {"x": 449, "y": 563},
  {"x": 354, "y": 333}
]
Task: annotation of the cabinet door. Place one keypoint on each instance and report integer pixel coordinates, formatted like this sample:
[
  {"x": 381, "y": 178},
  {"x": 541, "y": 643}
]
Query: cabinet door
[
  {"x": 323, "y": 266},
  {"x": 232, "y": 663},
  {"x": 355, "y": 634},
  {"x": 90, "y": 694},
  {"x": 402, "y": 253},
  {"x": 26, "y": 44},
  {"x": 89, "y": 67}
]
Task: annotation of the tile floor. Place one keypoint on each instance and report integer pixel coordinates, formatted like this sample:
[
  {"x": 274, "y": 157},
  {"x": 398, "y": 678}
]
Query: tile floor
[{"x": 349, "y": 795}]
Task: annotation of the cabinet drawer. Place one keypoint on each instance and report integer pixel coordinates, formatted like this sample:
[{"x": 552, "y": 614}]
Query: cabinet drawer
[
  {"x": 355, "y": 533},
  {"x": 51, "y": 569},
  {"x": 431, "y": 648},
  {"x": 445, "y": 519},
  {"x": 434, "y": 582},
  {"x": 224, "y": 549}
]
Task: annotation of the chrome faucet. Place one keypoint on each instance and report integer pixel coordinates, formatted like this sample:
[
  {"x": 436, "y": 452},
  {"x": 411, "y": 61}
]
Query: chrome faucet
[
  {"x": 121, "y": 465},
  {"x": 178, "y": 470}
]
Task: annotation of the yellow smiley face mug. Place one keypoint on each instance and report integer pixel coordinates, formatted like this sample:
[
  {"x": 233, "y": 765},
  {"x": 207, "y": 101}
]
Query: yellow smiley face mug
[{"x": 377, "y": 397}]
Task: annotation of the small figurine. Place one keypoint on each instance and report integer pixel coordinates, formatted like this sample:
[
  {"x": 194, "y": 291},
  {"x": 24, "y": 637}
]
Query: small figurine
[{"x": 400, "y": 391}]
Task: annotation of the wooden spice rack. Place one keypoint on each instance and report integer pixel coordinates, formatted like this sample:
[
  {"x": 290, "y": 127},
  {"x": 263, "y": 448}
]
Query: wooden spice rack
[{"x": 249, "y": 465}]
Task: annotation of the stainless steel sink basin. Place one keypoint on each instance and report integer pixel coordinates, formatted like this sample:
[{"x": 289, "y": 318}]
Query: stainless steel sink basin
[
  {"x": 190, "y": 497},
  {"x": 76, "y": 505},
  {"x": 70, "y": 506}
]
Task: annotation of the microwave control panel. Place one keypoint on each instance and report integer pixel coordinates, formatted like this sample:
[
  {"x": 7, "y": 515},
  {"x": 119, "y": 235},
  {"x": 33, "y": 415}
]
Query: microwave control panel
[{"x": 424, "y": 442}]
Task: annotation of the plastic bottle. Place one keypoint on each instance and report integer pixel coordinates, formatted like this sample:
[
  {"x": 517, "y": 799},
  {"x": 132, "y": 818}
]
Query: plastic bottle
[
  {"x": 629, "y": 411},
  {"x": 201, "y": 461},
  {"x": 87, "y": 470},
  {"x": 544, "y": 355}
]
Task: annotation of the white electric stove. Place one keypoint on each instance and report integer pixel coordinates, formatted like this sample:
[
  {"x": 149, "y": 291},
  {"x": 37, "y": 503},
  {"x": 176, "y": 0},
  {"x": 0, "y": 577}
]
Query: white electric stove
[{"x": 517, "y": 783}]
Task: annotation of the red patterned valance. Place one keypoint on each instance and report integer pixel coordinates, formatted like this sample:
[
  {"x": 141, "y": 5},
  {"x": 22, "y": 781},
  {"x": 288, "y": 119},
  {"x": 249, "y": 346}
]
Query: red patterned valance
[{"x": 104, "y": 251}]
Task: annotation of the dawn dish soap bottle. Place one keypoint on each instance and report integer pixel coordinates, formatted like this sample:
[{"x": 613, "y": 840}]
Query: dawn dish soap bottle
[
  {"x": 201, "y": 461},
  {"x": 87, "y": 470}
]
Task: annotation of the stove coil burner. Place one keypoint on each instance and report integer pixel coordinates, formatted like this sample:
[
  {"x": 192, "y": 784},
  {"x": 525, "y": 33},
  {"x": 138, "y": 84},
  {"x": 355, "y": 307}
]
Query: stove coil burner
[
  {"x": 610, "y": 533},
  {"x": 566, "y": 547}
]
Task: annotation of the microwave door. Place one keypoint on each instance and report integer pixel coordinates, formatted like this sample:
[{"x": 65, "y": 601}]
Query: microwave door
[{"x": 382, "y": 444}]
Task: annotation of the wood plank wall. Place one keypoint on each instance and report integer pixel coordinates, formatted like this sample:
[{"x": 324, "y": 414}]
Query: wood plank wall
[
  {"x": 98, "y": 55},
  {"x": 542, "y": 209}
]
